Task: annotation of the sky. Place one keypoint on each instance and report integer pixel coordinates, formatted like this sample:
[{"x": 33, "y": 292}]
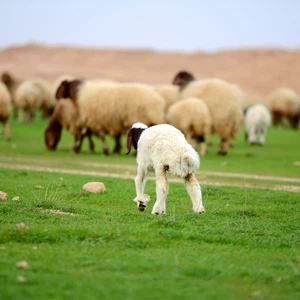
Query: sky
[{"x": 162, "y": 25}]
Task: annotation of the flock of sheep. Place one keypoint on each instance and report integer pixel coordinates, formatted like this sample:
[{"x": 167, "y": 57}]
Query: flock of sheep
[{"x": 198, "y": 108}]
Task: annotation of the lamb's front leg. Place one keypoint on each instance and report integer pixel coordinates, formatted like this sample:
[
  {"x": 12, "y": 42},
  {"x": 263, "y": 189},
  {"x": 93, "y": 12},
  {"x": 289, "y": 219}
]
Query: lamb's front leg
[
  {"x": 194, "y": 190},
  {"x": 162, "y": 190},
  {"x": 140, "y": 182}
]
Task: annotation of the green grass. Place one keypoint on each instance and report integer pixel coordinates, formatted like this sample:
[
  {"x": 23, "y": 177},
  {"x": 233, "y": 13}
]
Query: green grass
[{"x": 246, "y": 245}]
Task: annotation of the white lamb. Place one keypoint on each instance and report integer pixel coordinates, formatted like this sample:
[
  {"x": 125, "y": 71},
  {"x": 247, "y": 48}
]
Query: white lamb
[
  {"x": 257, "y": 120},
  {"x": 164, "y": 148}
]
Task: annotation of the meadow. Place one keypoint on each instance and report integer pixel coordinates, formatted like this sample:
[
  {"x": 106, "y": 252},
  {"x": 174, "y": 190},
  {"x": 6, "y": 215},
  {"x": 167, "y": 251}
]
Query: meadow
[{"x": 80, "y": 245}]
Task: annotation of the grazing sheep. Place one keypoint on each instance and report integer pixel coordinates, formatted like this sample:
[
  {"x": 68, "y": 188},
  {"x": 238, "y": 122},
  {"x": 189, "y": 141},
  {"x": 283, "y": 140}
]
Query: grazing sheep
[
  {"x": 65, "y": 116},
  {"x": 111, "y": 108},
  {"x": 257, "y": 120},
  {"x": 284, "y": 105},
  {"x": 192, "y": 117},
  {"x": 5, "y": 109},
  {"x": 11, "y": 84},
  {"x": 223, "y": 101},
  {"x": 169, "y": 92},
  {"x": 164, "y": 148},
  {"x": 33, "y": 94}
]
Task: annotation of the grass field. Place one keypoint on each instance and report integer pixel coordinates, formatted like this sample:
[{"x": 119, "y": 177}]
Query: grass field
[{"x": 80, "y": 245}]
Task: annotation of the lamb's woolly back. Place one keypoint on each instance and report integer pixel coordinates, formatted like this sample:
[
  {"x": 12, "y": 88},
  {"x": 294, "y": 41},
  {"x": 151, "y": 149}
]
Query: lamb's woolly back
[{"x": 165, "y": 146}]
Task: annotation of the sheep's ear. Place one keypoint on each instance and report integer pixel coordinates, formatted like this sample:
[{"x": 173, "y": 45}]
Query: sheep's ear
[
  {"x": 129, "y": 141},
  {"x": 63, "y": 90},
  {"x": 73, "y": 89}
]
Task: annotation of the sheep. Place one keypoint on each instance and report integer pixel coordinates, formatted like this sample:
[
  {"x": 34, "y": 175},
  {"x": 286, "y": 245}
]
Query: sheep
[
  {"x": 222, "y": 99},
  {"x": 11, "y": 84},
  {"x": 163, "y": 148},
  {"x": 284, "y": 105},
  {"x": 5, "y": 109},
  {"x": 257, "y": 120},
  {"x": 170, "y": 93},
  {"x": 192, "y": 117},
  {"x": 111, "y": 108},
  {"x": 33, "y": 94}
]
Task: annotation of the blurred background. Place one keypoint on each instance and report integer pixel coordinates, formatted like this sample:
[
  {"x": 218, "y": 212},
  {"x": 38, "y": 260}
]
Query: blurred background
[{"x": 252, "y": 43}]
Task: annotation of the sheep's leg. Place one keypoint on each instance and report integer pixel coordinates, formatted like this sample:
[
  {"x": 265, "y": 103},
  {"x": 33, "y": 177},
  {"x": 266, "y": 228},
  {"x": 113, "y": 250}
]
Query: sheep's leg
[
  {"x": 118, "y": 145},
  {"x": 78, "y": 143},
  {"x": 162, "y": 189},
  {"x": 194, "y": 190},
  {"x": 140, "y": 182},
  {"x": 104, "y": 145},
  {"x": 223, "y": 147},
  {"x": 7, "y": 130}
]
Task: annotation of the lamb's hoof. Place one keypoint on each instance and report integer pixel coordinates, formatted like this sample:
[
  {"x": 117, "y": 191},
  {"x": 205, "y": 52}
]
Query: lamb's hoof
[
  {"x": 199, "y": 210},
  {"x": 142, "y": 206},
  {"x": 155, "y": 213}
]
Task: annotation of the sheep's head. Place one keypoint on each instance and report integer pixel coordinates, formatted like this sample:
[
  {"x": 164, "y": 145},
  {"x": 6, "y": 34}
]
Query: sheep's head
[
  {"x": 52, "y": 135},
  {"x": 134, "y": 134},
  {"x": 7, "y": 79},
  {"x": 68, "y": 89},
  {"x": 183, "y": 78}
]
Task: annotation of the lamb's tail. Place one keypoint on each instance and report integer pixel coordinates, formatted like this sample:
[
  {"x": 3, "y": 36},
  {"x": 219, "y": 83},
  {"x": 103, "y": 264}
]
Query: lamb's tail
[{"x": 190, "y": 163}]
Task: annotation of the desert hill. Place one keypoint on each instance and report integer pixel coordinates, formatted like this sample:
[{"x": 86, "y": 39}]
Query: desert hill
[{"x": 256, "y": 71}]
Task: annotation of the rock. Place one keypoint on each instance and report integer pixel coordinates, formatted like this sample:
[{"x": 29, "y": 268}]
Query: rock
[
  {"x": 23, "y": 264},
  {"x": 94, "y": 187},
  {"x": 16, "y": 198},
  {"x": 3, "y": 196}
]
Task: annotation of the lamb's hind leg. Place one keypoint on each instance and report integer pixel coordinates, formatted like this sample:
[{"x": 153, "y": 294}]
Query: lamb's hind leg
[
  {"x": 162, "y": 189},
  {"x": 140, "y": 182},
  {"x": 194, "y": 190}
]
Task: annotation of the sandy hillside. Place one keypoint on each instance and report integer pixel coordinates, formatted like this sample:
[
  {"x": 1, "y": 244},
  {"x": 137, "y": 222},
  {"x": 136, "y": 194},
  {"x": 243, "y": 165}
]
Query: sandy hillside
[{"x": 256, "y": 71}]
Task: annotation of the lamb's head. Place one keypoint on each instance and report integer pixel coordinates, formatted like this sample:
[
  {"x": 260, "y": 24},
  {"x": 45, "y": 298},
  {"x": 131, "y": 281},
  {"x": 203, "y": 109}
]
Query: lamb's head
[
  {"x": 52, "y": 135},
  {"x": 134, "y": 134},
  {"x": 183, "y": 78},
  {"x": 68, "y": 89}
]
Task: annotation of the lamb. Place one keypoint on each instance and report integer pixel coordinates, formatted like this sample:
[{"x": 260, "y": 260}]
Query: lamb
[
  {"x": 223, "y": 101},
  {"x": 192, "y": 117},
  {"x": 111, "y": 108},
  {"x": 164, "y": 148},
  {"x": 284, "y": 105},
  {"x": 5, "y": 109},
  {"x": 257, "y": 120}
]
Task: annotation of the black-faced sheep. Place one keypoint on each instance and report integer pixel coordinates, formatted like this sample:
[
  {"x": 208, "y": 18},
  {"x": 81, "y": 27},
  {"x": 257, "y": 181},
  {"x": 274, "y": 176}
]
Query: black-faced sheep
[
  {"x": 5, "y": 109},
  {"x": 257, "y": 121},
  {"x": 164, "y": 148},
  {"x": 111, "y": 108},
  {"x": 223, "y": 101},
  {"x": 192, "y": 117},
  {"x": 284, "y": 105}
]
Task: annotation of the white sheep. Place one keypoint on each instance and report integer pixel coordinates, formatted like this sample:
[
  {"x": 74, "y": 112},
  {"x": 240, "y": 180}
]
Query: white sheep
[
  {"x": 164, "y": 148},
  {"x": 111, "y": 108},
  {"x": 257, "y": 120},
  {"x": 284, "y": 104},
  {"x": 224, "y": 103},
  {"x": 192, "y": 117},
  {"x": 5, "y": 108},
  {"x": 169, "y": 92},
  {"x": 33, "y": 94}
]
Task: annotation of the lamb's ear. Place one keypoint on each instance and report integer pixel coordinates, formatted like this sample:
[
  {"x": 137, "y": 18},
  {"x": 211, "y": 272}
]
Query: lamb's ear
[
  {"x": 63, "y": 90},
  {"x": 129, "y": 141}
]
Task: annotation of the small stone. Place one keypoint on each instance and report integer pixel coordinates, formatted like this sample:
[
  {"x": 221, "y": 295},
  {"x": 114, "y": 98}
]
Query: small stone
[
  {"x": 39, "y": 187},
  {"x": 21, "y": 278},
  {"x": 23, "y": 264},
  {"x": 16, "y": 198},
  {"x": 22, "y": 226},
  {"x": 3, "y": 196},
  {"x": 94, "y": 187}
]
